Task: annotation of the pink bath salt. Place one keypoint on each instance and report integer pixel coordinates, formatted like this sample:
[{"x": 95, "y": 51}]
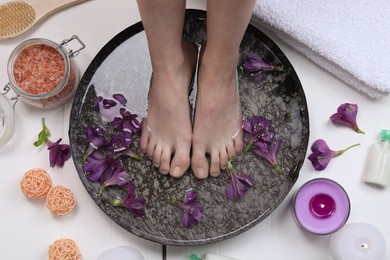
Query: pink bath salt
[{"x": 39, "y": 69}]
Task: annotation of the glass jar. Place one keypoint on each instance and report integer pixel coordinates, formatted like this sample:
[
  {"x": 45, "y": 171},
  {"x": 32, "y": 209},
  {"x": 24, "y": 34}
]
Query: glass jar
[
  {"x": 7, "y": 117},
  {"x": 42, "y": 72}
]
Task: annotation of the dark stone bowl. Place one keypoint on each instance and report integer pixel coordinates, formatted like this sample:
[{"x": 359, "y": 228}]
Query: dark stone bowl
[{"x": 123, "y": 65}]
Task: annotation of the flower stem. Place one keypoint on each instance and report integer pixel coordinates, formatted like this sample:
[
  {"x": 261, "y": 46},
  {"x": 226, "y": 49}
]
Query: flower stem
[
  {"x": 229, "y": 167},
  {"x": 357, "y": 129},
  {"x": 248, "y": 147},
  {"x": 349, "y": 147},
  {"x": 277, "y": 167},
  {"x": 43, "y": 135}
]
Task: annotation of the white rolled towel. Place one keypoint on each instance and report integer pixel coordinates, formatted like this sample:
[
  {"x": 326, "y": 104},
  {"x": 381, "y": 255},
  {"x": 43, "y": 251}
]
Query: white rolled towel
[{"x": 348, "y": 38}]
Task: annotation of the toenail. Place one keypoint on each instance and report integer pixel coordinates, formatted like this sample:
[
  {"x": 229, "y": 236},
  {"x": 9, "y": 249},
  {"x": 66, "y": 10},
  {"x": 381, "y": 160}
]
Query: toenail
[
  {"x": 200, "y": 173},
  {"x": 176, "y": 171}
]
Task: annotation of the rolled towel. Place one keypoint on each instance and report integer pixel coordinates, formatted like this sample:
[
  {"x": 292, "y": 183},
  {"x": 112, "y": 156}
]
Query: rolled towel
[{"x": 350, "y": 38}]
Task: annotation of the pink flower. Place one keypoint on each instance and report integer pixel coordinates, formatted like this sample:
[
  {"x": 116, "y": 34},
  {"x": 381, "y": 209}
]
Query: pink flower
[
  {"x": 346, "y": 115},
  {"x": 322, "y": 154}
]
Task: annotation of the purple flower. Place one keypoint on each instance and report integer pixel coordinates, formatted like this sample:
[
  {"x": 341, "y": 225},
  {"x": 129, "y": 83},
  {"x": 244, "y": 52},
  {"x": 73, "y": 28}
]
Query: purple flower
[
  {"x": 96, "y": 139},
  {"x": 257, "y": 67},
  {"x": 321, "y": 154},
  {"x": 346, "y": 115},
  {"x": 109, "y": 108},
  {"x": 100, "y": 167},
  {"x": 109, "y": 103},
  {"x": 135, "y": 205},
  {"x": 128, "y": 122},
  {"x": 238, "y": 185},
  {"x": 258, "y": 128},
  {"x": 268, "y": 151},
  {"x": 192, "y": 210},
  {"x": 120, "y": 144},
  {"x": 58, "y": 153},
  {"x": 119, "y": 177}
]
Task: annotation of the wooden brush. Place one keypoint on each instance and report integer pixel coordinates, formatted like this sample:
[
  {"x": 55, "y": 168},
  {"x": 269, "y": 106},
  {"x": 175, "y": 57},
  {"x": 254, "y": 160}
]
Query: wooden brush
[{"x": 17, "y": 17}]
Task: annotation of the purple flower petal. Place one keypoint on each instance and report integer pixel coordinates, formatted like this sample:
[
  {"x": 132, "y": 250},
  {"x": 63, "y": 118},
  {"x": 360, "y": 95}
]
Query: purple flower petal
[
  {"x": 119, "y": 177},
  {"x": 100, "y": 167},
  {"x": 127, "y": 122},
  {"x": 108, "y": 103},
  {"x": 120, "y": 98},
  {"x": 259, "y": 130},
  {"x": 190, "y": 196},
  {"x": 96, "y": 102},
  {"x": 268, "y": 151},
  {"x": 135, "y": 205}
]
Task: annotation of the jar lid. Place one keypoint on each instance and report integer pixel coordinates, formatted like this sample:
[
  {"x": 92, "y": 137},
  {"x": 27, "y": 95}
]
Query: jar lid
[{"x": 7, "y": 119}]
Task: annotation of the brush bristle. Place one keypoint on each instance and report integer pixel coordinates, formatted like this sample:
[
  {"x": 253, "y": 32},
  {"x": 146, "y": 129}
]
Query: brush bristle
[{"x": 15, "y": 17}]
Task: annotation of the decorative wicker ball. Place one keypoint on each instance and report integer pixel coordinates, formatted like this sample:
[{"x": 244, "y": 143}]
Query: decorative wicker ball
[
  {"x": 64, "y": 249},
  {"x": 35, "y": 183},
  {"x": 60, "y": 200}
]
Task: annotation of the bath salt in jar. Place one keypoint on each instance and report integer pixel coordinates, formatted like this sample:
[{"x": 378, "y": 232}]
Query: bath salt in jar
[{"x": 43, "y": 73}]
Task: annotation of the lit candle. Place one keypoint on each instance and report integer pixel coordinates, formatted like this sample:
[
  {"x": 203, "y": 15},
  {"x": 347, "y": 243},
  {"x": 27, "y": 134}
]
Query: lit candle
[
  {"x": 358, "y": 241},
  {"x": 321, "y": 206}
]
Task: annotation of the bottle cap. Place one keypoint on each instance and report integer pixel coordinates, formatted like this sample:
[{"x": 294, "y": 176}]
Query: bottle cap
[{"x": 385, "y": 135}]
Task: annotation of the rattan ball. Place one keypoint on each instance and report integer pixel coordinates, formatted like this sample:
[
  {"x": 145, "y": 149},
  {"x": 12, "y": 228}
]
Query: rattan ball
[
  {"x": 60, "y": 200},
  {"x": 35, "y": 183},
  {"x": 64, "y": 249}
]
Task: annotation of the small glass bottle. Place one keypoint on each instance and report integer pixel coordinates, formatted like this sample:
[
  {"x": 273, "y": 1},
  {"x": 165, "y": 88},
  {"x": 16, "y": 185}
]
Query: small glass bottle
[{"x": 377, "y": 169}]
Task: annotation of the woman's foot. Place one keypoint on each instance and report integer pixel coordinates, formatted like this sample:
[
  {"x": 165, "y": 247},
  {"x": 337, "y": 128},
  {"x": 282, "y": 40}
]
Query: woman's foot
[
  {"x": 167, "y": 132},
  {"x": 218, "y": 120}
]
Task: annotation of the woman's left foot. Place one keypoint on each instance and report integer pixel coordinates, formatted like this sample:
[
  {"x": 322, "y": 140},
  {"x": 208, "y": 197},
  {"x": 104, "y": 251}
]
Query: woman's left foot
[{"x": 217, "y": 129}]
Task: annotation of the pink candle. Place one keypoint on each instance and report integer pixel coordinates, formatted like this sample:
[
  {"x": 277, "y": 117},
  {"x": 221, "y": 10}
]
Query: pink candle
[{"x": 321, "y": 206}]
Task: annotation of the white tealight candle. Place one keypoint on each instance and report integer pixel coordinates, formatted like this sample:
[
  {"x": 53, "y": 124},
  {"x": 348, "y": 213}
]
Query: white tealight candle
[{"x": 358, "y": 241}]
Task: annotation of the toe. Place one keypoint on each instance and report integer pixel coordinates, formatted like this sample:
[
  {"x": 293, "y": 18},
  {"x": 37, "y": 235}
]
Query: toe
[
  {"x": 224, "y": 158},
  {"x": 231, "y": 151},
  {"x": 215, "y": 163},
  {"x": 180, "y": 161},
  {"x": 144, "y": 137},
  {"x": 165, "y": 160},
  {"x": 238, "y": 141},
  {"x": 157, "y": 156},
  {"x": 199, "y": 165},
  {"x": 150, "y": 149}
]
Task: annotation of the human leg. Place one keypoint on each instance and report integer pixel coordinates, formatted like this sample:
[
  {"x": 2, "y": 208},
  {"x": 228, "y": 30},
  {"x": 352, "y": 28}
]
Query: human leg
[
  {"x": 167, "y": 129},
  {"x": 217, "y": 125}
]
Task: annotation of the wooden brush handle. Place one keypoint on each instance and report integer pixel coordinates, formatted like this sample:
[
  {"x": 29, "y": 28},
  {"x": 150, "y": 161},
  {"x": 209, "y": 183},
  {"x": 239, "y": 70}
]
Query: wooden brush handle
[{"x": 45, "y": 7}]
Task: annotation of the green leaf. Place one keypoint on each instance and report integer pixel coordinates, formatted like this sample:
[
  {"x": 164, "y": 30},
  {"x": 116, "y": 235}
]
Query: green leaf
[{"x": 43, "y": 135}]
